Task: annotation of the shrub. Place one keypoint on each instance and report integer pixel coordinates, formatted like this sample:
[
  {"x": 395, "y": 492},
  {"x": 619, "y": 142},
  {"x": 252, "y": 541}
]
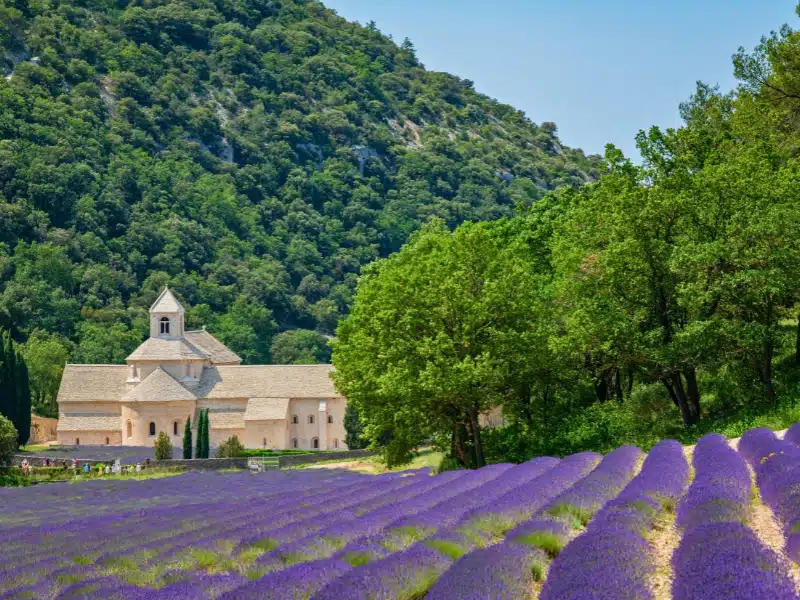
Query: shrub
[
  {"x": 163, "y": 447},
  {"x": 230, "y": 449},
  {"x": 8, "y": 441}
]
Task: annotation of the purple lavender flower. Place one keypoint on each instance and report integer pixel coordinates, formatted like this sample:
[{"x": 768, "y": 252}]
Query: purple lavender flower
[
  {"x": 721, "y": 489},
  {"x": 501, "y": 572},
  {"x": 726, "y": 560},
  {"x": 402, "y": 575},
  {"x": 298, "y": 582}
]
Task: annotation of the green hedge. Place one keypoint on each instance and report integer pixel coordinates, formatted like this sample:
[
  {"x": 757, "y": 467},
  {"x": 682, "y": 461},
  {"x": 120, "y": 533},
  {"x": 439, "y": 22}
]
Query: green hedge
[{"x": 254, "y": 453}]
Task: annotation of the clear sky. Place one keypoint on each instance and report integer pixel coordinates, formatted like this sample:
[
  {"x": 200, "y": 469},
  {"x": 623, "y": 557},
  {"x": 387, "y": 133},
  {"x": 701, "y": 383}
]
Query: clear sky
[{"x": 600, "y": 69}]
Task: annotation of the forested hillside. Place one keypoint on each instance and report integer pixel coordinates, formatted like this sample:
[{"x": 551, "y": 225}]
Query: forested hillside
[{"x": 254, "y": 155}]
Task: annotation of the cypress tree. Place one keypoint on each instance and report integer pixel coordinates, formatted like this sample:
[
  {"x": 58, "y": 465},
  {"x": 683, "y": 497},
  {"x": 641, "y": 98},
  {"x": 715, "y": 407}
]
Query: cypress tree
[
  {"x": 23, "y": 424},
  {"x": 187, "y": 438},
  {"x": 8, "y": 405},
  {"x": 5, "y": 383},
  {"x": 205, "y": 435},
  {"x": 198, "y": 449}
]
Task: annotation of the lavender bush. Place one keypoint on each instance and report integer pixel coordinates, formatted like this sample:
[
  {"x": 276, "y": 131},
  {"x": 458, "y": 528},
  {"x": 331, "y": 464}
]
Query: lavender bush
[
  {"x": 612, "y": 558},
  {"x": 777, "y": 467},
  {"x": 719, "y": 556}
]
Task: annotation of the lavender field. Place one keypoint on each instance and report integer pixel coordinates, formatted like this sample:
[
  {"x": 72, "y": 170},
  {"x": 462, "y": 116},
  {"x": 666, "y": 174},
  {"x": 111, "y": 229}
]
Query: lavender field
[{"x": 625, "y": 526}]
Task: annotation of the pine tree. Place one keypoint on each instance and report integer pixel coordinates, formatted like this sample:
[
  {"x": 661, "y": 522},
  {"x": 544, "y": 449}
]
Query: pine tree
[
  {"x": 205, "y": 435},
  {"x": 187, "y": 438},
  {"x": 198, "y": 449}
]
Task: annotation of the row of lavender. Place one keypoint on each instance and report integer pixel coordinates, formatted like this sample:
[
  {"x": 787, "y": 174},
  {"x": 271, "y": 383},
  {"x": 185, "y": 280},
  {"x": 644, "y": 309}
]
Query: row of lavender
[
  {"x": 777, "y": 467},
  {"x": 719, "y": 556}
]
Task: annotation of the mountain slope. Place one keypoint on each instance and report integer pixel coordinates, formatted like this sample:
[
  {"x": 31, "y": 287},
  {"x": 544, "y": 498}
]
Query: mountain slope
[{"x": 255, "y": 155}]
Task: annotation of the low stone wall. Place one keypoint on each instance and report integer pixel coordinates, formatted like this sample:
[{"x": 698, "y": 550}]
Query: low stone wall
[
  {"x": 294, "y": 460},
  {"x": 202, "y": 464}
]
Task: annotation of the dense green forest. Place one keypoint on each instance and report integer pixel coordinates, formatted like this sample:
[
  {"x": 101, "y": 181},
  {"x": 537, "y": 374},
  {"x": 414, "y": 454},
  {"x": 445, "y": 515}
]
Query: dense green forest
[
  {"x": 660, "y": 301},
  {"x": 254, "y": 155}
]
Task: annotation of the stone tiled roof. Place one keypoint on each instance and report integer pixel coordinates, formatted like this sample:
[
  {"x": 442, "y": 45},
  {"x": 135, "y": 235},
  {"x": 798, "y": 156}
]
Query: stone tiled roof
[
  {"x": 266, "y": 409},
  {"x": 166, "y": 349},
  {"x": 166, "y": 303},
  {"x": 81, "y": 383},
  {"x": 226, "y": 418},
  {"x": 159, "y": 386},
  {"x": 217, "y": 352},
  {"x": 267, "y": 381},
  {"x": 89, "y": 422}
]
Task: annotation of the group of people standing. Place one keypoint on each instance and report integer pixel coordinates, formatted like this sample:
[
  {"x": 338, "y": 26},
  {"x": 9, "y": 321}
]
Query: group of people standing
[{"x": 101, "y": 468}]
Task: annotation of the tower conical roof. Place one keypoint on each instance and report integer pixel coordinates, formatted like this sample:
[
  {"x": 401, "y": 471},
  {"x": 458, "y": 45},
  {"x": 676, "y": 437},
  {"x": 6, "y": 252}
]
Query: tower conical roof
[{"x": 166, "y": 303}]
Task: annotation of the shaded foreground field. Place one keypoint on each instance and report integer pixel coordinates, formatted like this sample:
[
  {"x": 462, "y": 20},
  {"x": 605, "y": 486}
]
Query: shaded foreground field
[{"x": 585, "y": 526}]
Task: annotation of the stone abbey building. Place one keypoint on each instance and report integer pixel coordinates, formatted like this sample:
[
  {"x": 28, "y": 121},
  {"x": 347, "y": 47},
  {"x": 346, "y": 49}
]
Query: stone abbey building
[{"x": 176, "y": 373}]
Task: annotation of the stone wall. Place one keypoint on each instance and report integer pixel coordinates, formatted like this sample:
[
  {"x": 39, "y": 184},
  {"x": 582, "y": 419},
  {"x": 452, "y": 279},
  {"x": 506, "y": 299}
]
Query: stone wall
[
  {"x": 43, "y": 429},
  {"x": 202, "y": 464}
]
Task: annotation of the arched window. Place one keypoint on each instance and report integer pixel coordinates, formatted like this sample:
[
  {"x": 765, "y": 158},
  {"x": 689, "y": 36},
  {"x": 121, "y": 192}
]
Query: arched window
[
  {"x": 77, "y": 441},
  {"x": 294, "y": 442},
  {"x": 335, "y": 443},
  {"x": 311, "y": 419},
  {"x": 164, "y": 326},
  {"x": 152, "y": 428},
  {"x": 108, "y": 441},
  {"x": 129, "y": 427},
  {"x": 330, "y": 418},
  {"x": 295, "y": 420},
  {"x": 315, "y": 443},
  {"x": 174, "y": 428}
]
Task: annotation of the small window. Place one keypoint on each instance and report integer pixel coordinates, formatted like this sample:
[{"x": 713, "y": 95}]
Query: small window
[
  {"x": 174, "y": 428},
  {"x": 311, "y": 419},
  {"x": 164, "y": 326},
  {"x": 315, "y": 442},
  {"x": 129, "y": 429},
  {"x": 295, "y": 420},
  {"x": 335, "y": 443},
  {"x": 330, "y": 418},
  {"x": 77, "y": 441},
  {"x": 152, "y": 428},
  {"x": 108, "y": 441},
  {"x": 294, "y": 442}
]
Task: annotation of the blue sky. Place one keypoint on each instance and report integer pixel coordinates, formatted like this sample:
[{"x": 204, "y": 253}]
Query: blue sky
[{"x": 600, "y": 69}]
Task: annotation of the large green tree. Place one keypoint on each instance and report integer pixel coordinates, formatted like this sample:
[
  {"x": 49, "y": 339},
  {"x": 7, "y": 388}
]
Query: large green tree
[
  {"x": 45, "y": 356},
  {"x": 432, "y": 337}
]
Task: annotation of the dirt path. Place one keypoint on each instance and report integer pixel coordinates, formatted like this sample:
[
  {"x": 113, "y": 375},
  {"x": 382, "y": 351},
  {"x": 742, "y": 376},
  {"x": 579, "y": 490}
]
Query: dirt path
[{"x": 664, "y": 540}]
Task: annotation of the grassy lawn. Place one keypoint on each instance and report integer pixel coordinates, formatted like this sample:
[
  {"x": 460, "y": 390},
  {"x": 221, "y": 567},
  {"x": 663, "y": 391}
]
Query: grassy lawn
[{"x": 426, "y": 457}]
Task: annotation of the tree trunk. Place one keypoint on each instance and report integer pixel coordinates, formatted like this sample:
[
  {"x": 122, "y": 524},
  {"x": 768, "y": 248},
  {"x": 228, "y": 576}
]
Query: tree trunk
[
  {"x": 630, "y": 381},
  {"x": 766, "y": 371},
  {"x": 693, "y": 393},
  {"x": 618, "y": 385},
  {"x": 668, "y": 384},
  {"x": 601, "y": 388},
  {"x": 480, "y": 460},
  {"x": 458, "y": 448},
  {"x": 797, "y": 344},
  {"x": 679, "y": 397}
]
